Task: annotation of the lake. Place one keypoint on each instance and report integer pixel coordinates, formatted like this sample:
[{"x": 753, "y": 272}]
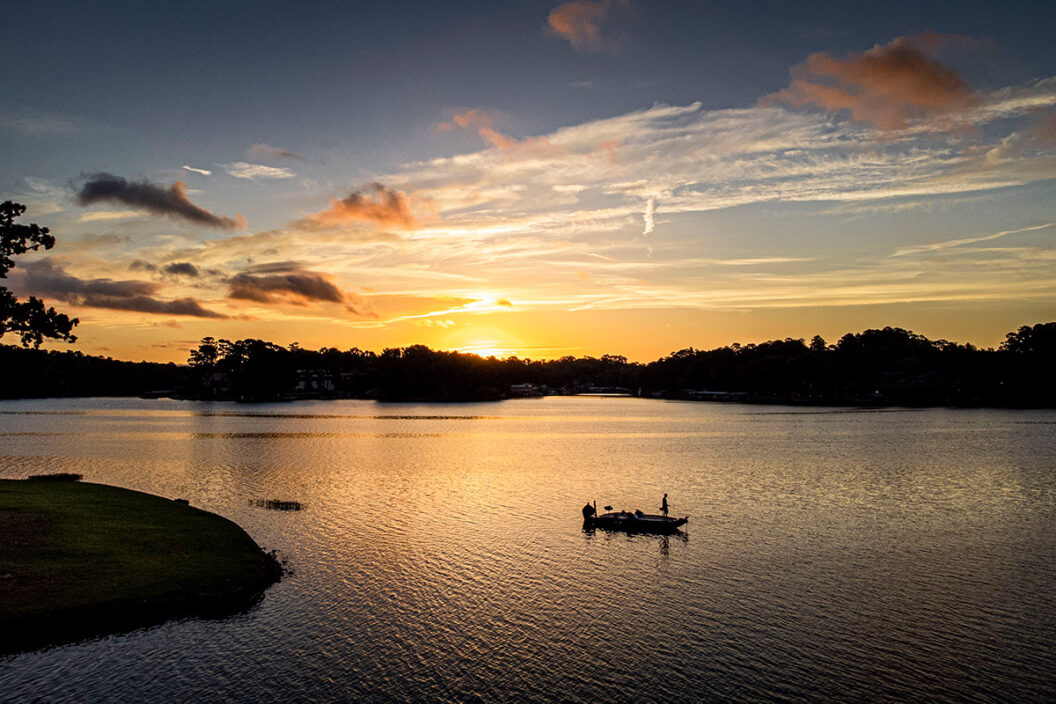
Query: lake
[{"x": 831, "y": 554}]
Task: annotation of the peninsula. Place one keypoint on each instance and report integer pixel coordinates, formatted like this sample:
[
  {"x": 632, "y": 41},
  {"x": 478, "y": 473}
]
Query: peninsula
[{"x": 80, "y": 559}]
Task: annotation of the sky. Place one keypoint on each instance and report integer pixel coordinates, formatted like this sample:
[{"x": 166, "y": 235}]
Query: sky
[{"x": 536, "y": 179}]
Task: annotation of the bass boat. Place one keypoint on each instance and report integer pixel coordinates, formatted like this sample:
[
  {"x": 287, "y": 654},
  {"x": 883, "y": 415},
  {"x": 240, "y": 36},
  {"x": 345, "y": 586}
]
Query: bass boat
[{"x": 636, "y": 522}]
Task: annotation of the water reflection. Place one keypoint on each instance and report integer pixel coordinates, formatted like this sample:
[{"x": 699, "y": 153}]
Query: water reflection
[
  {"x": 896, "y": 556},
  {"x": 663, "y": 541}
]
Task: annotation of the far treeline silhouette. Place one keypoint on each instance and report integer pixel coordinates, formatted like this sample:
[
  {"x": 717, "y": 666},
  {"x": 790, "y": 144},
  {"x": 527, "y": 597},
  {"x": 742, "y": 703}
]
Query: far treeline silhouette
[{"x": 891, "y": 366}]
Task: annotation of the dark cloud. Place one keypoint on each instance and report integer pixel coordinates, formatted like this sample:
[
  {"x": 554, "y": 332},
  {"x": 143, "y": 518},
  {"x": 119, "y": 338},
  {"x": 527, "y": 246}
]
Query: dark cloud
[
  {"x": 182, "y": 269},
  {"x": 282, "y": 283},
  {"x": 145, "y": 304},
  {"x": 142, "y": 265},
  {"x": 302, "y": 285},
  {"x": 374, "y": 203},
  {"x": 47, "y": 279},
  {"x": 275, "y": 267},
  {"x": 171, "y": 201},
  {"x": 270, "y": 152}
]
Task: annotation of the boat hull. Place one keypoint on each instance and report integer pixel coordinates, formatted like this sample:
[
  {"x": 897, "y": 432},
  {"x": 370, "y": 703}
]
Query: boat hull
[{"x": 632, "y": 523}]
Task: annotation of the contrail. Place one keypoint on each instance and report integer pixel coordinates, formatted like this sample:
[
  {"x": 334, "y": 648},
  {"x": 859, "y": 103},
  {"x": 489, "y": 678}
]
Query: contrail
[{"x": 650, "y": 208}]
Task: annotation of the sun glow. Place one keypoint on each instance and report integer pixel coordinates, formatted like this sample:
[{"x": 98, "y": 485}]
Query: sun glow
[
  {"x": 486, "y": 348},
  {"x": 485, "y": 341}
]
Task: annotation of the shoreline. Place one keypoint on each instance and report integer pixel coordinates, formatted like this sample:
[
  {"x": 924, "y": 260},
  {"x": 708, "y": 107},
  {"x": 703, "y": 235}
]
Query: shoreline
[
  {"x": 82, "y": 560},
  {"x": 724, "y": 398}
]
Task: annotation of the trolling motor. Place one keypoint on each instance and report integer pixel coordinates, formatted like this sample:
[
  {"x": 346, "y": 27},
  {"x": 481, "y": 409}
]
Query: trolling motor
[{"x": 589, "y": 512}]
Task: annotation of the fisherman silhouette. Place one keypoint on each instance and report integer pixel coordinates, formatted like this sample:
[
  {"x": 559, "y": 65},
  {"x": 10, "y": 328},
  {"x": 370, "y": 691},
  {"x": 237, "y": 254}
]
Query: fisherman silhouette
[{"x": 663, "y": 505}]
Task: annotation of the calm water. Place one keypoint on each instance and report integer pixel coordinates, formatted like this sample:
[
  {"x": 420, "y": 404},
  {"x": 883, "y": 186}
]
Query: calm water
[{"x": 830, "y": 554}]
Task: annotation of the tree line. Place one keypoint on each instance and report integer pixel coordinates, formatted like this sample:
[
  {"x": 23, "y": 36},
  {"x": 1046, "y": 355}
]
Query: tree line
[
  {"x": 880, "y": 366},
  {"x": 889, "y": 366}
]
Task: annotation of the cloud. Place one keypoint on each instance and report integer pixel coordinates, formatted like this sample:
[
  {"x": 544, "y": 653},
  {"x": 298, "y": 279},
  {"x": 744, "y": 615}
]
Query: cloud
[
  {"x": 269, "y": 152},
  {"x": 697, "y": 160},
  {"x": 412, "y": 307},
  {"x": 144, "y": 304},
  {"x": 182, "y": 269},
  {"x": 1045, "y": 130},
  {"x": 949, "y": 244},
  {"x": 45, "y": 278},
  {"x": 241, "y": 169},
  {"x": 278, "y": 283},
  {"x": 142, "y": 265},
  {"x": 34, "y": 124},
  {"x": 172, "y": 201},
  {"x": 107, "y": 215},
  {"x": 888, "y": 86},
  {"x": 303, "y": 285},
  {"x": 503, "y": 302},
  {"x": 93, "y": 242},
  {"x": 203, "y": 172},
  {"x": 580, "y": 22},
  {"x": 650, "y": 208},
  {"x": 373, "y": 203},
  {"x": 483, "y": 123},
  {"x": 504, "y": 215}
]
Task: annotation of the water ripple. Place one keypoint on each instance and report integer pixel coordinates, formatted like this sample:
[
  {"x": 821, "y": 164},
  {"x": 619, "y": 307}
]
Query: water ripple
[{"x": 831, "y": 556}]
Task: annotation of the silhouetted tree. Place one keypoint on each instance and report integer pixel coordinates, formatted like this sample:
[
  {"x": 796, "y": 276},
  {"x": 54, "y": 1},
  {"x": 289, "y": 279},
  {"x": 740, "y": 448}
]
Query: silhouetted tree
[
  {"x": 29, "y": 319},
  {"x": 880, "y": 367},
  {"x": 1030, "y": 375},
  {"x": 1039, "y": 339}
]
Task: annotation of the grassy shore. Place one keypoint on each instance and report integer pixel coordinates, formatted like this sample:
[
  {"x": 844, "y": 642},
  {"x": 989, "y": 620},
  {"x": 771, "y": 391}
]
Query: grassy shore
[{"x": 82, "y": 559}]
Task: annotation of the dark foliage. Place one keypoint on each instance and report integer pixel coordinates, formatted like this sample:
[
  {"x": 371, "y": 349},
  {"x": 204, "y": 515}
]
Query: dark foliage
[
  {"x": 43, "y": 374},
  {"x": 891, "y": 366},
  {"x": 30, "y": 319}
]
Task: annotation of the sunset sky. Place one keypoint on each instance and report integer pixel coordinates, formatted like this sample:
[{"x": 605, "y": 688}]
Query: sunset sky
[{"x": 532, "y": 178}]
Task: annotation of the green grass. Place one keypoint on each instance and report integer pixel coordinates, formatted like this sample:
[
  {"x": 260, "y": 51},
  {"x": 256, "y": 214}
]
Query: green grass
[{"x": 79, "y": 559}]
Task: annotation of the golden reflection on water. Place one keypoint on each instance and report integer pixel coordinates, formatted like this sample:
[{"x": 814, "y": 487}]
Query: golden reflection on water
[{"x": 830, "y": 554}]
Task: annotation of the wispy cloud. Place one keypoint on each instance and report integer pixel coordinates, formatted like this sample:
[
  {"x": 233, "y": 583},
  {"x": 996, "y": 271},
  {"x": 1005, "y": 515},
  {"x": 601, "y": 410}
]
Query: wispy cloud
[
  {"x": 268, "y": 152},
  {"x": 90, "y": 242},
  {"x": 695, "y": 160},
  {"x": 484, "y": 125},
  {"x": 203, "y": 172},
  {"x": 949, "y": 244},
  {"x": 109, "y": 215},
  {"x": 479, "y": 227},
  {"x": 42, "y": 125},
  {"x": 102, "y": 187},
  {"x": 241, "y": 169}
]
